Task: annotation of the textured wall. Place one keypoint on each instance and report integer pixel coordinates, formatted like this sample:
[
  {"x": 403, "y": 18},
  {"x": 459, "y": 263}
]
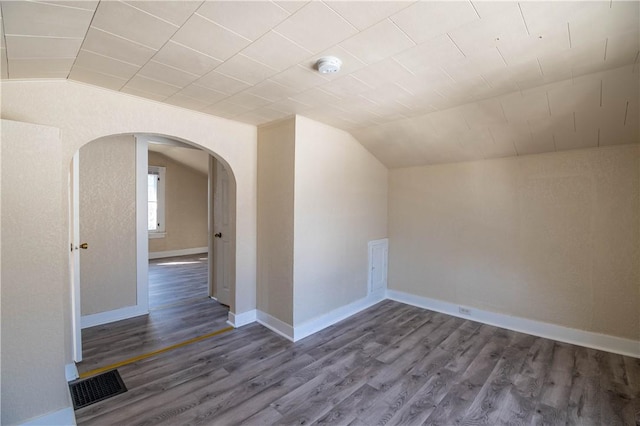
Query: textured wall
[
  {"x": 276, "y": 146},
  {"x": 340, "y": 205},
  {"x": 550, "y": 237},
  {"x": 34, "y": 255},
  {"x": 185, "y": 206},
  {"x": 108, "y": 224},
  {"x": 83, "y": 114}
]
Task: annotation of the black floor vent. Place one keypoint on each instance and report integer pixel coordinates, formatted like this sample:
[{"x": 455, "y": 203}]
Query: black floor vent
[{"x": 97, "y": 388}]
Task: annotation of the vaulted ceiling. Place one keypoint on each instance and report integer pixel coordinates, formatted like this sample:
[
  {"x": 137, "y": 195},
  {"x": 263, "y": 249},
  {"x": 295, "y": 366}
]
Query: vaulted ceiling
[{"x": 422, "y": 82}]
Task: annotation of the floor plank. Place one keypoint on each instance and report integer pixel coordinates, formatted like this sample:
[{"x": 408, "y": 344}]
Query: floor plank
[
  {"x": 391, "y": 364},
  {"x": 180, "y": 309}
]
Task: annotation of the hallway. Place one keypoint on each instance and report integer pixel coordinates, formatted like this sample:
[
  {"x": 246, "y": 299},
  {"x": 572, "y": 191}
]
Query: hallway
[{"x": 180, "y": 309}]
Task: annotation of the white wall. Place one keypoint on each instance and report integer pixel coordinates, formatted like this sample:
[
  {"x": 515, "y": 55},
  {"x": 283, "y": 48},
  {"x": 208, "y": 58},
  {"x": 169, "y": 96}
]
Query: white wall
[
  {"x": 34, "y": 256},
  {"x": 550, "y": 237},
  {"x": 108, "y": 269},
  {"x": 276, "y": 147},
  {"x": 340, "y": 205},
  {"x": 82, "y": 114}
]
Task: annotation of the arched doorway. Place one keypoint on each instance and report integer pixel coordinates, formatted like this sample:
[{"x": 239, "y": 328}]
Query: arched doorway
[{"x": 130, "y": 303}]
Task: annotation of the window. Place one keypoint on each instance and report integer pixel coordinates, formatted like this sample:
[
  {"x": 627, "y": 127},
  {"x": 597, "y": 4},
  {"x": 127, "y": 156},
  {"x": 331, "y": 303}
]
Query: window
[{"x": 155, "y": 197}]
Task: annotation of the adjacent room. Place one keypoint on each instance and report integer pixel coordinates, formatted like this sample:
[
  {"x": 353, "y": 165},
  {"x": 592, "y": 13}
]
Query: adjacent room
[{"x": 329, "y": 212}]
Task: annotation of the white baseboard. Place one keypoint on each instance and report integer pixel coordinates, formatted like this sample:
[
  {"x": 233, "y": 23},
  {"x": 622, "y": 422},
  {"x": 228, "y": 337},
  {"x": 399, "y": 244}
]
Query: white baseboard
[
  {"x": 174, "y": 253},
  {"x": 71, "y": 372},
  {"x": 244, "y": 318},
  {"x": 277, "y": 326},
  {"x": 314, "y": 325},
  {"x": 64, "y": 417},
  {"x": 574, "y": 336},
  {"x": 111, "y": 316}
]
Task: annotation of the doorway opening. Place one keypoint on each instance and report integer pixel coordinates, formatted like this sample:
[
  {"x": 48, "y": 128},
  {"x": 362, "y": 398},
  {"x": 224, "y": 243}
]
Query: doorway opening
[{"x": 167, "y": 297}]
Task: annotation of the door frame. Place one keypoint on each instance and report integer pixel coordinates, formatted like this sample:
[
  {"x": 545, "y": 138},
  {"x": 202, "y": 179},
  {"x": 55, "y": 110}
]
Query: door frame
[{"x": 78, "y": 322}]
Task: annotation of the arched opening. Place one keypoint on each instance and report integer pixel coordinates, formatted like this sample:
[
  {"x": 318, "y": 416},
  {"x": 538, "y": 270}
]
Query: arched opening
[{"x": 117, "y": 299}]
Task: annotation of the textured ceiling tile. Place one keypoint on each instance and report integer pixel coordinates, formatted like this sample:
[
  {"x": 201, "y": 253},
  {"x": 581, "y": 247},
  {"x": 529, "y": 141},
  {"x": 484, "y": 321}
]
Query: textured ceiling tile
[
  {"x": 202, "y": 94},
  {"x": 160, "y": 72},
  {"x": 483, "y": 114},
  {"x": 362, "y": 14},
  {"x": 210, "y": 38},
  {"x": 96, "y": 78},
  {"x": 538, "y": 143},
  {"x": 529, "y": 47},
  {"x": 155, "y": 87},
  {"x": 544, "y": 16},
  {"x": 246, "y": 69},
  {"x": 291, "y": 6},
  {"x": 250, "y": 19},
  {"x": 490, "y": 32},
  {"x": 619, "y": 86},
  {"x": 271, "y": 90},
  {"x": 225, "y": 108},
  {"x": 125, "y": 21},
  {"x": 382, "y": 73},
  {"x": 426, "y": 20},
  {"x": 622, "y": 49},
  {"x": 576, "y": 139},
  {"x": 248, "y": 100},
  {"x": 186, "y": 102},
  {"x": 567, "y": 99},
  {"x": 105, "y": 65},
  {"x": 222, "y": 83},
  {"x": 487, "y": 61},
  {"x": 346, "y": 86},
  {"x": 178, "y": 56},
  {"x": 78, "y": 4},
  {"x": 518, "y": 108},
  {"x": 430, "y": 54},
  {"x": 2, "y": 43},
  {"x": 299, "y": 78},
  {"x": 526, "y": 74},
  {"x": 387, "y": 38},
  {"x": 106, "y": 44},
  {"x": 25, "y": 47},
  {"x": 517, "y": 135},
  {"x": 316, "y": 27},
  {"x": 176, "y": 12},
  {"x": 142, "y": 94},
  {"x": 290, "y": 106},
  {"x": 315, "y": 97},
  {"x": 276, "y": 51},
  {"x": 34, "y": 68},
  {"x": 620, "y": 18},
  {"x": 40, "y": 19}
]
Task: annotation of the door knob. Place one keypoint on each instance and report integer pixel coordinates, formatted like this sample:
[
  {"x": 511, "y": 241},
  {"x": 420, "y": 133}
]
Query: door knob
[
  {"x": 84, "y": 246},
  {"x": 218, "y": 235}
]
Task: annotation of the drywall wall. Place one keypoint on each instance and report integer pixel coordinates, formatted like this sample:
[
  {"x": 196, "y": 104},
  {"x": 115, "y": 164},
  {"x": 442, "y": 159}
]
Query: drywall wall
[
  {"x": 549, "y": 237},
  {"x": 34, "y": 255},
  {"x": 276, "y": 147},
  {"x": 108, "y": 224},
  {"x": 340, "y": 205},
  {"x": 82, "y": 114},
  {"x": 185, "y": 206}
]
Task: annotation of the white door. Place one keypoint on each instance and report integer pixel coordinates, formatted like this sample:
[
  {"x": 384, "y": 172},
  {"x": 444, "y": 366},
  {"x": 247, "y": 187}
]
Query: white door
[
  {"x": 74, "y": 195},
  {"x": 221, "y": 239},
  {"x": 378, "y": 253}
]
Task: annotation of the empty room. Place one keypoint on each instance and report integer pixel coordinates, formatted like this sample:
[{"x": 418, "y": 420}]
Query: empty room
[{"x": 320, "y": 212}]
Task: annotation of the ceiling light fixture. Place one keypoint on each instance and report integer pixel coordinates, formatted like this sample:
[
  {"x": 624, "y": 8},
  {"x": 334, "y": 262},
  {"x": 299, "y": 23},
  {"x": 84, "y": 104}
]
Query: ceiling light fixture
[{"x": 328, "y": 65}]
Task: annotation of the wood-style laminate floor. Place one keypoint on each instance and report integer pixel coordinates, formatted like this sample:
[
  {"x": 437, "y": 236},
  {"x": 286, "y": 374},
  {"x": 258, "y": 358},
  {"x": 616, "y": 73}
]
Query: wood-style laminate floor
[
  {"x": 391, "y": 364},
  {"x": 180, "y": 309}
]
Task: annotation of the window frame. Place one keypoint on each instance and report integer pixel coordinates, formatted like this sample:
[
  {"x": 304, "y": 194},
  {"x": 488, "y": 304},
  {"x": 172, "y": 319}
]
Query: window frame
[{"x": 160, "y": 231}]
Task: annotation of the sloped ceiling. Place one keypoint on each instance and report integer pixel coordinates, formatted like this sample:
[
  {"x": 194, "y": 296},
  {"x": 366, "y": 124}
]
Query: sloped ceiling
[
  {"x": 422, "y": 82},
  {"x": 193, "y": 158}
]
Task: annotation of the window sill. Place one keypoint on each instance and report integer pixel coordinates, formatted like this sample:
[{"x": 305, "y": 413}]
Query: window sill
[{"x": 153, "y": 235}]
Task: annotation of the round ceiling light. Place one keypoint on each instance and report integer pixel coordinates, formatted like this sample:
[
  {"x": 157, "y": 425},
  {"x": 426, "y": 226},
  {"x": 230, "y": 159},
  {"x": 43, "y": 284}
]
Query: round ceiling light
[{"x": 328, "y": 65}]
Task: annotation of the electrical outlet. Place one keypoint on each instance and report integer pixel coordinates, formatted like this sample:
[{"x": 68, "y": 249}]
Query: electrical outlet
[{"x": 464, "y": 311}]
